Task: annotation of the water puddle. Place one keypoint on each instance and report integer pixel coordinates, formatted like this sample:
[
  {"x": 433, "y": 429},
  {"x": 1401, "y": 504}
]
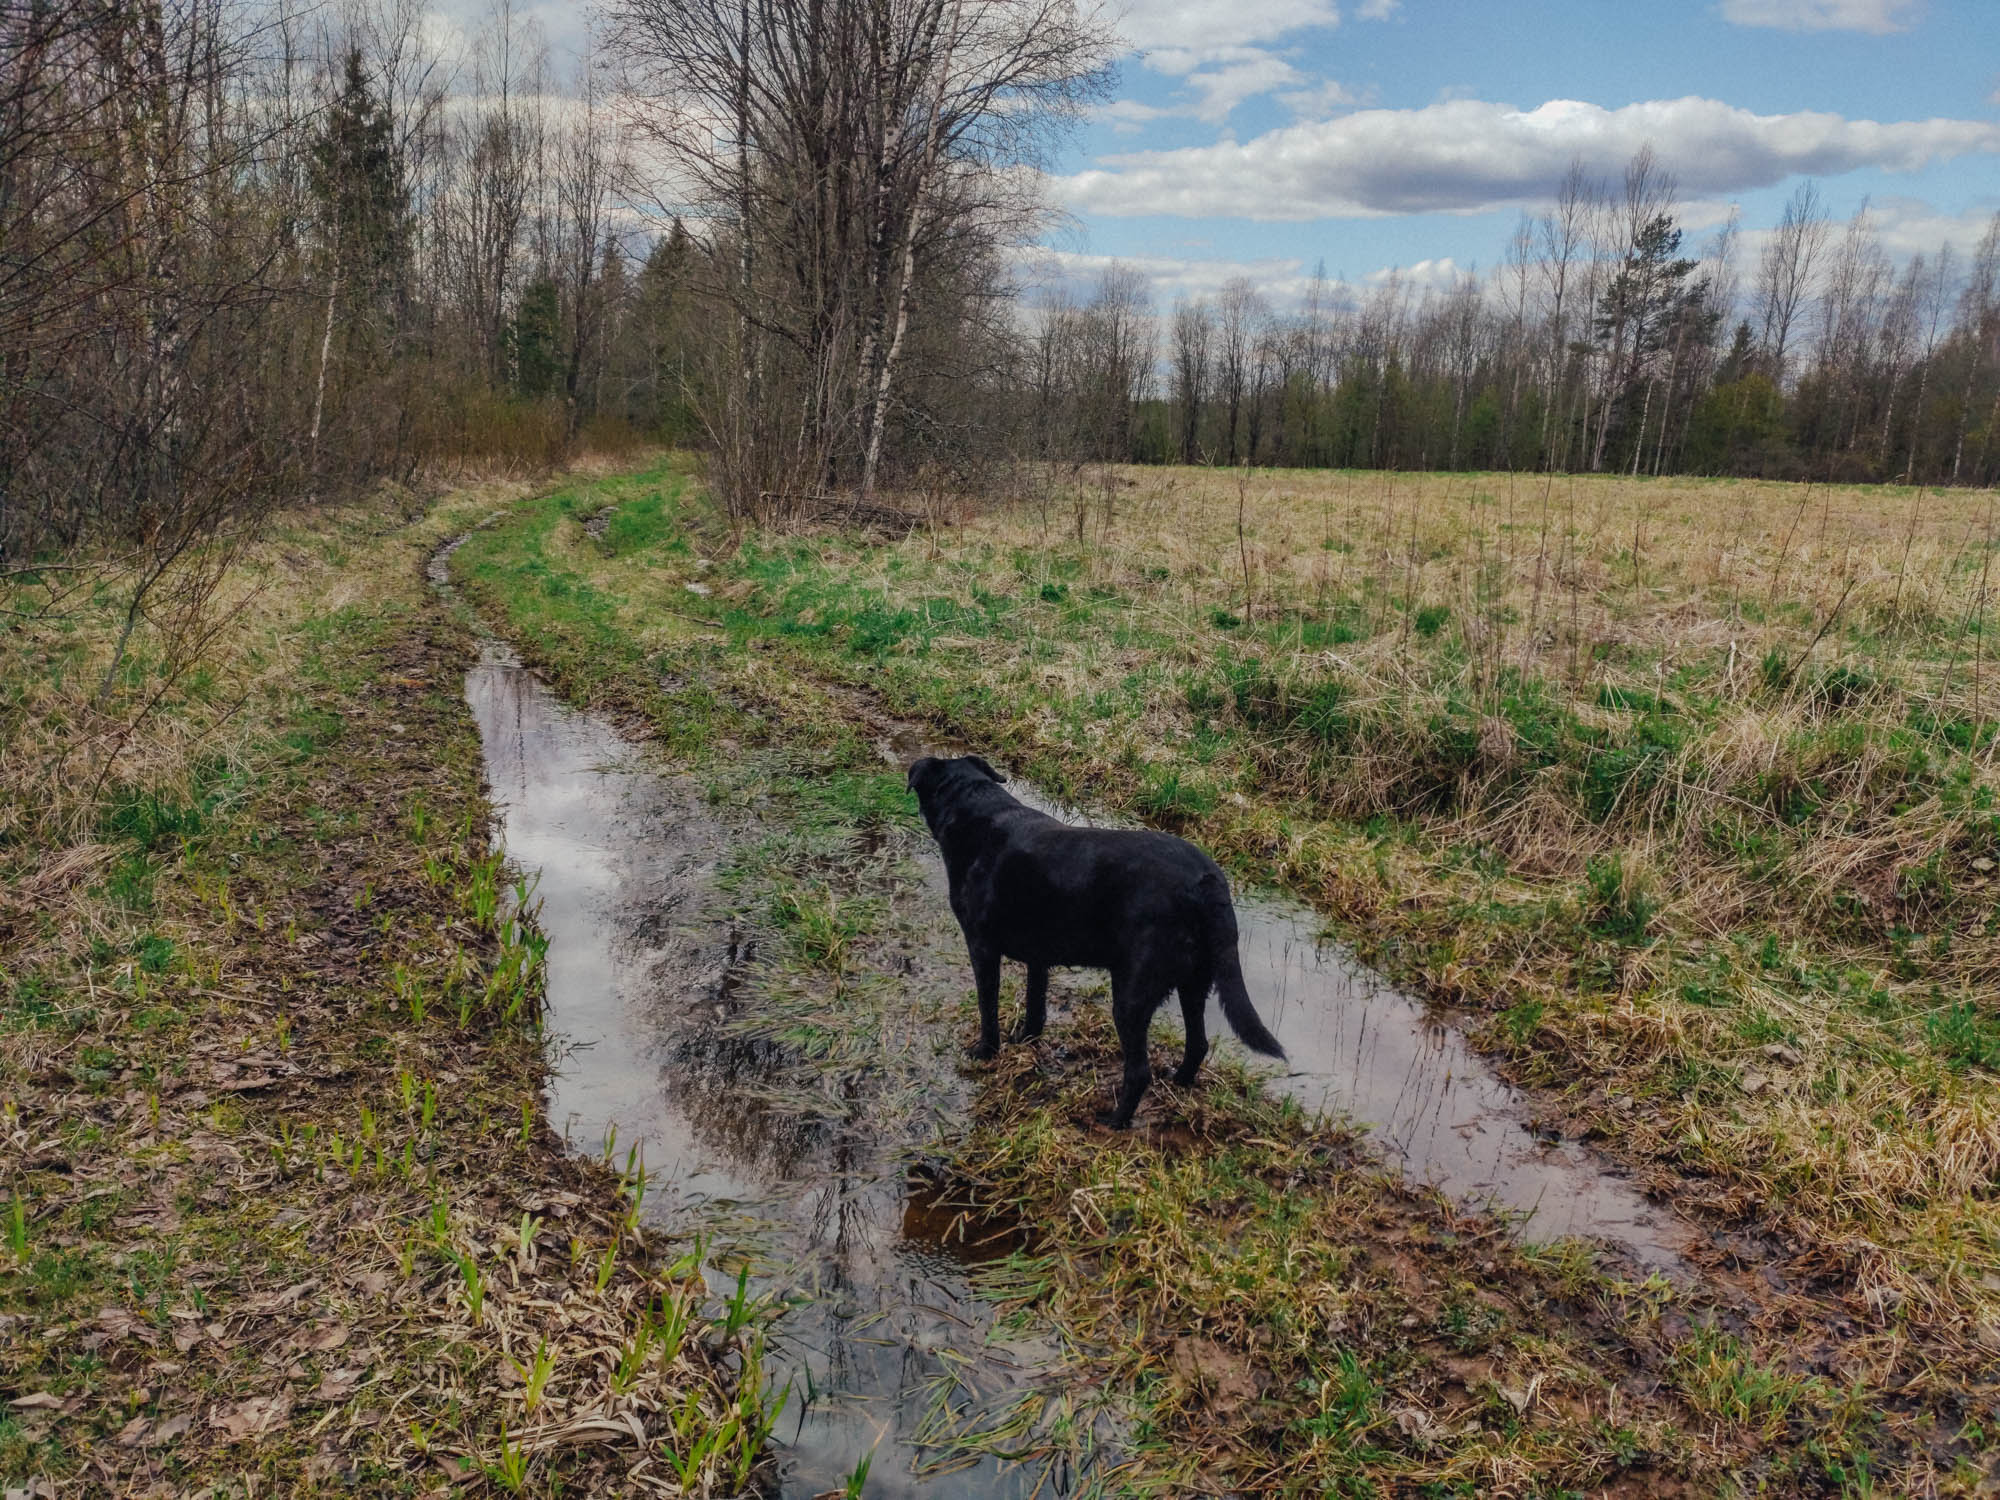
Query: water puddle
[{"x": 886, "y": 1345}]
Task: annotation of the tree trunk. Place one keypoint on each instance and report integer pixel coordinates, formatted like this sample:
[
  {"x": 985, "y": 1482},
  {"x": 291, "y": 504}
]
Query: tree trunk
[
  {"x": 878, "y": 414},
  {"x": 325, "y": 358}
]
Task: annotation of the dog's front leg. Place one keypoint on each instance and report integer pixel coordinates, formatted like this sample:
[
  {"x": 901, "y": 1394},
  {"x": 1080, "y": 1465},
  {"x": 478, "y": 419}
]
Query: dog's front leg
[
  {"x": 986, "y": 975},
  {"x": 1035, "y": 1005}
]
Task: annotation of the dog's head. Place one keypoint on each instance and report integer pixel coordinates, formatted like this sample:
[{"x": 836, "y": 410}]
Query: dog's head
[{"x": 931, "y": 775}]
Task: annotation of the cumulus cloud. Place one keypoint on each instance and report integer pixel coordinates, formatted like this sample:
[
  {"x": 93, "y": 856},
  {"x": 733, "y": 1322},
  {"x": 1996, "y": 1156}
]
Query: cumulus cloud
[
  {"x": 1321, "y": 99},
  {"x": 1463, "y": 156},
  {"x": 1209, "y": 26},
  {"x": 1220, "y": 49},
  {"x": 1910, "y": 226},
  {"x": 1128, "y": 115},
  {"x": 1441, "y": 274},
  {"x": 1221, "y": 89},
  {"x": 1284, "y": 281},
  {"x": 1878, "y": 17}
]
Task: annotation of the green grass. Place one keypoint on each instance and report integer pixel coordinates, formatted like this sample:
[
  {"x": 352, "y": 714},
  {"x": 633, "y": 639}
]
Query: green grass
[{"x": 1417, "y": 813}]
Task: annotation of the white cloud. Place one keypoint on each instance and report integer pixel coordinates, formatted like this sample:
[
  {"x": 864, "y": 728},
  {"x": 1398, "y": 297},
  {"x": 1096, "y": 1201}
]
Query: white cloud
[
  {"x": 1237, "y": 79},
  {"x": 1464, "y": 156},
  {"x": 1377, "y": 10},
  {"x": 1282, "y": 280},
  {"x": 1128, "y": 115},
  {"x": 1876, "y": 16},
  {"x": 1211, "y": 26},
  {"x": 1220, "y": 48},
  {"x": 1437, "y": 275},
  {"x": 1319, "y": 100},
  {"x": 1910, "y": 226}
]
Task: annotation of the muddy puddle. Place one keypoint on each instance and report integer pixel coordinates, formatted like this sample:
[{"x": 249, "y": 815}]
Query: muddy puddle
[
  {"x": 810, "y": 1178},
  {"x": 1357, "y": 1046}
]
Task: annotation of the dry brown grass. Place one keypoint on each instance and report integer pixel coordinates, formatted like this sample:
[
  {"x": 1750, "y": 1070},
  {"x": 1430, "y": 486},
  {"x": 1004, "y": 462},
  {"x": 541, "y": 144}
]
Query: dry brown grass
[{"x": 1670, "y": 773}]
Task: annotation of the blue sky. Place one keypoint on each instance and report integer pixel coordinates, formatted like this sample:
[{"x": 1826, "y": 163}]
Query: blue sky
[
  {"x": 1261, "y": 137},
  {"x": 1265, "y": 135}
]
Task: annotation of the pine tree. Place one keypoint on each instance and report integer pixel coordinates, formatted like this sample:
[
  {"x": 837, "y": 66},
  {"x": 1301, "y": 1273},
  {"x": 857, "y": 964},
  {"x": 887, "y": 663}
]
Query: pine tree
[
  {"x": 1648, "y": 308},
  {"x": 357, "y": 182}
]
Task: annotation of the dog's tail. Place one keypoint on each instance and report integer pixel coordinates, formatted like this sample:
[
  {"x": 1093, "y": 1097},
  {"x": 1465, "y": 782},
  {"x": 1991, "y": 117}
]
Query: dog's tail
[{"x": 1236, "y": 1007}]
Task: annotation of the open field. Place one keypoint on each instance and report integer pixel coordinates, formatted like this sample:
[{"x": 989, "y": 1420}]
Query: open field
[
  {"x": 1679, "y": 795},
  {"x": 281, "y": 1211},
  {"x": 1682, "y": 793}
]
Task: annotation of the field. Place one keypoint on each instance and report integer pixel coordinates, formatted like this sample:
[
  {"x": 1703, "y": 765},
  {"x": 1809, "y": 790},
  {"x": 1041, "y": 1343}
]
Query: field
[
  {"x": 1678, "y": 795},
  {"x": 1680, "y": 792}
]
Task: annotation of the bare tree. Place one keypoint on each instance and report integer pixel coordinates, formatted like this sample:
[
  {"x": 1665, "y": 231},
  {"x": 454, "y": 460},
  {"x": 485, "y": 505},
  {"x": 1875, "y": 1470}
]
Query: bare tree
[
  {"x": 1785, "y": 273},
  {"x": 872, "y": 162},
  {"x": 1563, "y": 233},
  {"x": 1239, "y": 315},
  {"x": 1193, "y": 339}
]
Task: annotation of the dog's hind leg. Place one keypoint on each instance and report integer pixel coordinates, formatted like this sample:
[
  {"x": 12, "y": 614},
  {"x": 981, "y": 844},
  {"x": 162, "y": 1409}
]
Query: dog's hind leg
[
  {"x": 1133, "y": 1002},
  {"x": 1194, "y": 1021},
  {"x": 1035, "y": 1012},
  {"x": 986, "y": 975}
]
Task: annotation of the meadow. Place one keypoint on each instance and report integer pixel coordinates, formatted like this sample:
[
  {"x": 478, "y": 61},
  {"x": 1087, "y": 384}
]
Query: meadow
[{"x": 1679, "y": 794}]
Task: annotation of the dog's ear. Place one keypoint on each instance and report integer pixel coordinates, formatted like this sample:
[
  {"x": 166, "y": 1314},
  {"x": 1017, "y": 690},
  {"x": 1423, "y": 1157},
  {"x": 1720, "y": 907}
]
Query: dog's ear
[
  {"x": 979, "y": 761},
  {"x": 910, "y": 777}
]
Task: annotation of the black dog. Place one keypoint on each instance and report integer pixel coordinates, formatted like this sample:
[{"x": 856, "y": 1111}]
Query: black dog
[{"x": 1151, "y": 908}]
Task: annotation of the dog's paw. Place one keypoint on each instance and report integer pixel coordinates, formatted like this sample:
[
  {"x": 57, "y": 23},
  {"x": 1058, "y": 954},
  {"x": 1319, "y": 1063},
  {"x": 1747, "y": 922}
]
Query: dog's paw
[
  {"x": 982, "y": 1052},
  {"x": 1185, "y": 1080},
  {"x": 1110, "y": 1121},
  {"x": 1022, "y": 1034}
]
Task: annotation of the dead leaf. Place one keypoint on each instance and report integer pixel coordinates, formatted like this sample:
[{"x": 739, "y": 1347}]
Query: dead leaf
[
  {"x": 326, "y": 1336},
  {"x": 39, "y": 1401},
  {"x": 337, "y": 1385},
  {"x": 252, "y": 1418},
  {"x": 1416, "y": 1424},
  {"x": 1753, "y": 1082},
  {"x": 271, "y": 1302},
  {"x": 1778, "y": 1052},
  {"x": 1520, "y": 1398},
  {"x": 120, "y": 1323}
]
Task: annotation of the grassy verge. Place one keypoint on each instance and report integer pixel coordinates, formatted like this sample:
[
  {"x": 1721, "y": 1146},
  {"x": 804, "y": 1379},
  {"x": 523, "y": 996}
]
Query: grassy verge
[
  {"x": 1812, "y": 1091},
  {"x": 282, "y": 1214}
]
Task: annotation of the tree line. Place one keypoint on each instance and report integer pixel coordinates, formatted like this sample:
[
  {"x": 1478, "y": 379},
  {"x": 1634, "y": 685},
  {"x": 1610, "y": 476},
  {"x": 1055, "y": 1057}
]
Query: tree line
[
  {"x": 253, "y": 253},
  {"x": 257, "y": 253},
  {"x": 1602, "y": 343}
]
